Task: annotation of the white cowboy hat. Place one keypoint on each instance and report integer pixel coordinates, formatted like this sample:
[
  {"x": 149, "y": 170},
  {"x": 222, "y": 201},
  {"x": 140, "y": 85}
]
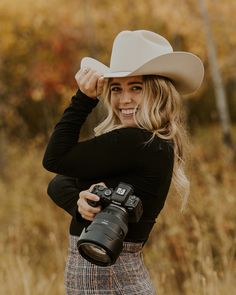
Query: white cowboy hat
[{"x": 147, "y": 53}]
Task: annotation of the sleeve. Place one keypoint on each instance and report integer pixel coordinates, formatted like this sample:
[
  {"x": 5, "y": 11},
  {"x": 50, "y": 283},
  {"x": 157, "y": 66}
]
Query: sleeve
[
  {"x": 64, "y": 192},
  {"x": 112, "y": 153}
]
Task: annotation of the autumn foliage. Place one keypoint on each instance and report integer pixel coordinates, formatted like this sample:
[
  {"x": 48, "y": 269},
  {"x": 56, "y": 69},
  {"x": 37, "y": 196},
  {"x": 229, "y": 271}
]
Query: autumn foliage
[{"x": 43, "y": 41}]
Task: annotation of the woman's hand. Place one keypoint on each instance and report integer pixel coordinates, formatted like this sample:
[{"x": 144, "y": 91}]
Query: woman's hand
[
  {"x": 86, "y": 211},
  {"x": 90, "y": 82}
]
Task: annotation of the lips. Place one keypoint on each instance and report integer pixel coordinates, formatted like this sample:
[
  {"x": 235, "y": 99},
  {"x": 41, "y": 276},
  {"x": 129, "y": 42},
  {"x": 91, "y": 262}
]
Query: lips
[
  {"x": 127, "y": 116},
  {"x": 128, "y": 112}
]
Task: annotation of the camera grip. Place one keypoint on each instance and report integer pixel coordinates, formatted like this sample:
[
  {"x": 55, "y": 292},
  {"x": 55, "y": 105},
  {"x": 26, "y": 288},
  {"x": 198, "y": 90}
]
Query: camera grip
[{"x": 92, "y": 203}]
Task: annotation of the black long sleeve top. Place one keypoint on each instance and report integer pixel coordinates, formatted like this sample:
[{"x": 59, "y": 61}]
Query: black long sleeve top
[{"x": 122, "y": 155}]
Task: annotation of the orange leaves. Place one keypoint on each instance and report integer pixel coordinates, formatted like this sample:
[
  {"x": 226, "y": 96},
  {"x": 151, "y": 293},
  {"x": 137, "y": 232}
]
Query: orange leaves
[{"x": 42, "y": 42}]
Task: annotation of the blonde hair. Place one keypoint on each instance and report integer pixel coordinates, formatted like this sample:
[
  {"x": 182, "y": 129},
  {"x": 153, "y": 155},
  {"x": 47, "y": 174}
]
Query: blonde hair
[{"x": 161, "y": 113}]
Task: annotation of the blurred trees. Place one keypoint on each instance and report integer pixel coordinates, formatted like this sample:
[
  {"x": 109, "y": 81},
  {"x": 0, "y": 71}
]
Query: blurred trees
[{"x": 42, "y": 44}]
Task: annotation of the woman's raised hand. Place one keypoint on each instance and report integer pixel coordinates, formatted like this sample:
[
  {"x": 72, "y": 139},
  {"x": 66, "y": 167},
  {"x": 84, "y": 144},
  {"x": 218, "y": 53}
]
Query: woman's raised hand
[
  {"x": 90, "y": 82},
  {"x": 86, "y": 211}
]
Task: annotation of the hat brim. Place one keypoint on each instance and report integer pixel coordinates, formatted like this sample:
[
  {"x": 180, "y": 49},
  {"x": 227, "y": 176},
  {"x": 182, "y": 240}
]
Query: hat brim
[{"x": 184, "y": 69}]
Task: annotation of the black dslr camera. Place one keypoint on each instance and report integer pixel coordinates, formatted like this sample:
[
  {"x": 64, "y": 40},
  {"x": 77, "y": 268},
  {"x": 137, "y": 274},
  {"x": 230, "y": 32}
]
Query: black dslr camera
[
  {"x": 102, "y": 241},
  {"x": 121, "y": 196}
]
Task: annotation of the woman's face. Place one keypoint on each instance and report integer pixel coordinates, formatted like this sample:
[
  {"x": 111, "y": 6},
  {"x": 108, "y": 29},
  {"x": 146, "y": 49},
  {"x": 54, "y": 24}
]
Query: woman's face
[{"x": 126, "y": 96}]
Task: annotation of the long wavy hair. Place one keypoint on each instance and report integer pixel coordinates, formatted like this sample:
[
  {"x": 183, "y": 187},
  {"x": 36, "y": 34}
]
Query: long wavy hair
[{"x": 161, "y": 113}]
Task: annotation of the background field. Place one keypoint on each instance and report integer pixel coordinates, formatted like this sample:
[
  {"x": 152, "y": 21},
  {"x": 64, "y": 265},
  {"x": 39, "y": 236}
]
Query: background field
[{"x": 190, "y": 253}]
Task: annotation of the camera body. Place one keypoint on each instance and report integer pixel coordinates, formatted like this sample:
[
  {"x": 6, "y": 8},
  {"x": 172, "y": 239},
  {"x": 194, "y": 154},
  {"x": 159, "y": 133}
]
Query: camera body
[{"x": 121, "y": 196}]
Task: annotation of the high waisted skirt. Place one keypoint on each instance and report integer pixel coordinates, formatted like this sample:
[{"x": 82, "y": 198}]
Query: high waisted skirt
[{"x": 128, "y": 276}]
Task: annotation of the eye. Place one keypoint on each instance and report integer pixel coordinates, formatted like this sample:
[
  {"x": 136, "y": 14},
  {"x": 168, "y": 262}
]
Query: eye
[
  {"x": 137, "y": 88},
  {"x": 115, "y": 89}
]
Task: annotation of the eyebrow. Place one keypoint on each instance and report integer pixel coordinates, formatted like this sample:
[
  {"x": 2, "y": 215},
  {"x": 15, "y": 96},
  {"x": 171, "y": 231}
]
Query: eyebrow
[{"x": 130, "y": 83}]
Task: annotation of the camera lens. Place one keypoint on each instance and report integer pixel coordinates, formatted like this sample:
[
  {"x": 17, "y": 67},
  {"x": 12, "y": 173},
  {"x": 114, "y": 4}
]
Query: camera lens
[
  {"x": 95, "y": 251},
  {"x": 102, "y": 241}
]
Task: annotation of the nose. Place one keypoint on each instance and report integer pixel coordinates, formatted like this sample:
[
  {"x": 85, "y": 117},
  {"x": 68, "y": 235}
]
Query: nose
[{"x": 126, "y": 97}]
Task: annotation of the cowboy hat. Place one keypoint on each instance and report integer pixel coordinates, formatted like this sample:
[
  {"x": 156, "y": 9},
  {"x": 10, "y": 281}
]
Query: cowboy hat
[{"x": 147, "y": 53}]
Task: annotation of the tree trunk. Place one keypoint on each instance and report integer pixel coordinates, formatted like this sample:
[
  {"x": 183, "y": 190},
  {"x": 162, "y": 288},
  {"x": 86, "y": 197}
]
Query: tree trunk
[{"x": 221, "y": 100}]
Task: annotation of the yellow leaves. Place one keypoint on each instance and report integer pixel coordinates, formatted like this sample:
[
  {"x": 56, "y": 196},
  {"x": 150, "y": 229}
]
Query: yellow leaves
[
  {"x": 9, "y": 39},
  {"x": 42, "y": 42},
  {"x": 100, "y": 20},
  {"x": 37, "y": 94},
  {"x": 183, "y": 18}
]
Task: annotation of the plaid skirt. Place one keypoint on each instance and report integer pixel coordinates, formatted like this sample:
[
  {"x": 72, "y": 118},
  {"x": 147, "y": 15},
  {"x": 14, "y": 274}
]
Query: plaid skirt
[{"x": 128, "y": 276}]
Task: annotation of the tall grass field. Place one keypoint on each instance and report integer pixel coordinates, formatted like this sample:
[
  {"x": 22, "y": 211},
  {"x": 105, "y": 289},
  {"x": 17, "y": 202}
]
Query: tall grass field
[{"x": 191, "y": 252}]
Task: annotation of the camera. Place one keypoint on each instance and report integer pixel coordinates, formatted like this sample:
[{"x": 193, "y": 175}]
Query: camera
[
  {"x": 121, "y": 196},
  {"x": 102, "y": 241}
]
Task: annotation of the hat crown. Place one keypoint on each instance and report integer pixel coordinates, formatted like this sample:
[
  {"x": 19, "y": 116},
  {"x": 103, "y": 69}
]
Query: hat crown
[{"x": 133, "y": 48}]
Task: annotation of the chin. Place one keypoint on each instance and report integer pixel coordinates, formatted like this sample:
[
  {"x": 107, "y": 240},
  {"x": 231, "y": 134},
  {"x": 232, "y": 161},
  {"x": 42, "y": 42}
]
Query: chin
[{"x": 129, "y": 124}]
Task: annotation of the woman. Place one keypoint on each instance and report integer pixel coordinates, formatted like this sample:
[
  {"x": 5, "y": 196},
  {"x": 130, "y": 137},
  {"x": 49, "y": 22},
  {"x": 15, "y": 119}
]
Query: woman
[{"x": 140, "y": 143}]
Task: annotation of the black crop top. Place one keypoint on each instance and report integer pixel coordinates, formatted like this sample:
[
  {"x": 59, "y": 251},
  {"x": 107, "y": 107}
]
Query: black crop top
[{"x": 121, "y": 155}]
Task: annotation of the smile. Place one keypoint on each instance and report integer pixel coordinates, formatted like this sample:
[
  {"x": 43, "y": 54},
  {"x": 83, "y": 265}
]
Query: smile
[{"x": 128, "y": 111}]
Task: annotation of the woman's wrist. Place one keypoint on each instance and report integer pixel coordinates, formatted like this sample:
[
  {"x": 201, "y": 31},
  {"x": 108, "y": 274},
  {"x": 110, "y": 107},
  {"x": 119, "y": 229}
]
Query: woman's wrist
[
  {"x": 82, "y": 95},
  {"x": 80, "y": 99}
]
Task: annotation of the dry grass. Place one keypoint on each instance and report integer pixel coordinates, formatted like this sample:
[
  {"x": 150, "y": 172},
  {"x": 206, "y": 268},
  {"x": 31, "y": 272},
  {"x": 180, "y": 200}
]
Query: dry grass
[{"x": 191, "y": 253}]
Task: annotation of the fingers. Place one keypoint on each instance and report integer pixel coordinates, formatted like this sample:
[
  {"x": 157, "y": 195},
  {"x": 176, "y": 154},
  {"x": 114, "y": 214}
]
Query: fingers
[
  {"x": 83, "y": 203},
  {"x": 88, "y": 212},
  {"x": 93, "y": 185},
  {"x": 100, "y": 85},
  {"x": 88, "y": 215},
  {"x": 90, "y": 82}
]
